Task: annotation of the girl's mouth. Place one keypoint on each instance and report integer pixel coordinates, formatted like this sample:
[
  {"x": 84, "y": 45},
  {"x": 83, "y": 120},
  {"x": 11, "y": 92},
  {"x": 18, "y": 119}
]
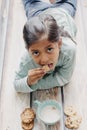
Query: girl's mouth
[{"x": 50, "y": 65}]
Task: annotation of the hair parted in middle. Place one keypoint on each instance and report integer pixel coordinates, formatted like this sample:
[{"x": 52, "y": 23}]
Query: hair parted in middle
[
  {"x": 39, "y": 28},
  {"x": 42, "y": 27}
]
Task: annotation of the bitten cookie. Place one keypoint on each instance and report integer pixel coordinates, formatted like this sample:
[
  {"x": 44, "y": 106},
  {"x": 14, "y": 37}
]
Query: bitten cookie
[
  {"x": 73, "y": 122},
  {"x": 46, "y": 68},
  {"x": 28, "y": 126},
  {"x": 70, "y": 110},
  {"x": 27, "y": 115}
]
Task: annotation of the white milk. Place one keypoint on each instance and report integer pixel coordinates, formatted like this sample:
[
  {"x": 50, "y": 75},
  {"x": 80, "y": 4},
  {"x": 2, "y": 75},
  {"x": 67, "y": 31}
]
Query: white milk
[{"x": 50, "y": 114}]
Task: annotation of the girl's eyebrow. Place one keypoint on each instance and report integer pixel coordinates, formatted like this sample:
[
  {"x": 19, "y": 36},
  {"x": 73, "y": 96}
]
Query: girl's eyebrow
[
  {"x": 33, "y": 50},
  {"x": 48, "y": 46}
]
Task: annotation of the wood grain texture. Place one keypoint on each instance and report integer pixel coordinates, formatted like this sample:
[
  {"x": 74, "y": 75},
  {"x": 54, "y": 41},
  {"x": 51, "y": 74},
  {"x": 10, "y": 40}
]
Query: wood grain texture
[
  {"x": 76, "y": 91},
  {"x": 46, "y": 95}
]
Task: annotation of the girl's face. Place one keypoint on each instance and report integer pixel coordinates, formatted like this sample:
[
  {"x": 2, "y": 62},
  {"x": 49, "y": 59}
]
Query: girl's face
[{"x": 45, "y": 53}]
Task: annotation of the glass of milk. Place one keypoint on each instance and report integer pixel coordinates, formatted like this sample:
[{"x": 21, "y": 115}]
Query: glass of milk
[{"x": 49, "y": 111}]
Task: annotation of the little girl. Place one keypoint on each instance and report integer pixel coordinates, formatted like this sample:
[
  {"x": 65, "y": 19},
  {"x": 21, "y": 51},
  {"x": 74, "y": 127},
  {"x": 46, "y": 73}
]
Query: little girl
[{"x": 49, "y": 39}]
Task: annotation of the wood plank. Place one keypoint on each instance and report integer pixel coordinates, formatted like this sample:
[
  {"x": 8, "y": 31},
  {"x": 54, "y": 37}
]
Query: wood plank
[
  {"x": 4, "y": 11},
  {"x": 75, "y": 93},
  {"x": 12, "y": 103},
  {"x": 42, "y": 95}
]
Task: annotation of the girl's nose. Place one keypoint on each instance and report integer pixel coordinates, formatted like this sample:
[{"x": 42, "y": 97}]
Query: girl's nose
[{"x": 44, "y": 60}]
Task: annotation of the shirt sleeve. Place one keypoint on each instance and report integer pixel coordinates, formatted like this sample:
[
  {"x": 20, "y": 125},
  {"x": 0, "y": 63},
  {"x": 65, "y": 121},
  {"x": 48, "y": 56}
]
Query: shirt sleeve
[
  {"x": 21, "y": 85},
  {"x": 20, "y": 79},
  {"x": 66, "y": 70}
]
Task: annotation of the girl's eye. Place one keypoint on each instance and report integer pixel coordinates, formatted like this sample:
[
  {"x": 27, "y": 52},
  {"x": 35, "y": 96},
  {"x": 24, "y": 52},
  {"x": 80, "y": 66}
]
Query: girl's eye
[
  {"x": 49, "y": 49},
  {"x": 35, "y": 53}
]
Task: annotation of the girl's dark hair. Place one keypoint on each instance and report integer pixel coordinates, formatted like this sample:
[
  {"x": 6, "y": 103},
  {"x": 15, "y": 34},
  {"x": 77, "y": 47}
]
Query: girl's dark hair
[{"x": 40, "y": 27}]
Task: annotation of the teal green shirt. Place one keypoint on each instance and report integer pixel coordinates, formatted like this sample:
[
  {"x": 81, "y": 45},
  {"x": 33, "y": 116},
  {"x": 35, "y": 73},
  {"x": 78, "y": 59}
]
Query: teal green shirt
[{"x": 66, "y": 61}]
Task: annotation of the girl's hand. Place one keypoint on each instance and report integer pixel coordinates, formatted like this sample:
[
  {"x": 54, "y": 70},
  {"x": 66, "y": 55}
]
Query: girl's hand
[{"x": 34, "y": 75}]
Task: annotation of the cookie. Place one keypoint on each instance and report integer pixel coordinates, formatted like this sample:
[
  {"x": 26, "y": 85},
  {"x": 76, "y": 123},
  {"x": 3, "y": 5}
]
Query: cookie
[
  {"x": 46, "y": 68},
  {"x": 73, "y": 122},
  {"x": 27, "y": 115},
  {"x": 28, "y": 126},
  {"x": 70, "y": 110}
]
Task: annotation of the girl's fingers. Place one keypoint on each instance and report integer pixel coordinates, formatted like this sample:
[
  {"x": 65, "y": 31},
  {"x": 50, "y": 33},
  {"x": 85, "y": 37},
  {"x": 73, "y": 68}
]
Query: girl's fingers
[
  {"x": 34, "y": 79},
  {"x": 37, "y": 69},
  {"x": 36, "y": 72},
  {"x": 34, "y": 75},
  {"x": 37, "y": 76}
]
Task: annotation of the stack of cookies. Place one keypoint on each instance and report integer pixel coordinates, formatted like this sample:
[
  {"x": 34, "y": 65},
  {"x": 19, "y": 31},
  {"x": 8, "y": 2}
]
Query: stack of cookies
[
  {"x": 27, "y": 119},
  {"x": 73, "y": 120}
]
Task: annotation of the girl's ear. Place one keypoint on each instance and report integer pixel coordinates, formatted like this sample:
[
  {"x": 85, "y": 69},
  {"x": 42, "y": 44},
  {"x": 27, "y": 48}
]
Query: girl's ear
[{"x": 60, "y": 43}]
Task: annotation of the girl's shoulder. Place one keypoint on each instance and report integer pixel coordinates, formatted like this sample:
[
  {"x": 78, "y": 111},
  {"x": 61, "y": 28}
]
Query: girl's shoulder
[{"x": 68, "y": 49}]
